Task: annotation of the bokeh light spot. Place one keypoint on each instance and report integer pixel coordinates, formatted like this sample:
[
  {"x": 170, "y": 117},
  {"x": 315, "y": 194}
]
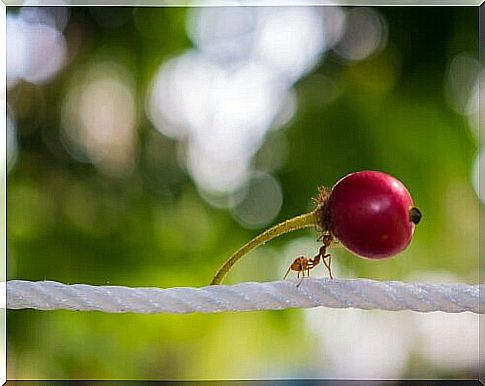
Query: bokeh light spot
[
  {"x": 262, "y": 201},
  {"x": 36, "y": 49},
  {"x": 99, "y": 119},
  {"x": 365, "y": 34}
]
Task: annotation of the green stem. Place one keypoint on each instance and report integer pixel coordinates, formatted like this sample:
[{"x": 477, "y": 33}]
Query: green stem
[{"x": 298, "y": 222}]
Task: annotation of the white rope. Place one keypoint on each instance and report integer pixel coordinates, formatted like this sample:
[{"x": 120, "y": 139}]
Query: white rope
[{"x": 337, "y": 293}]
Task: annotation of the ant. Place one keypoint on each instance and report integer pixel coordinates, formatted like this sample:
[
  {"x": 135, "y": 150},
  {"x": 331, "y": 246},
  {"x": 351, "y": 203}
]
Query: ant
[{"x": 304, "y": 264}]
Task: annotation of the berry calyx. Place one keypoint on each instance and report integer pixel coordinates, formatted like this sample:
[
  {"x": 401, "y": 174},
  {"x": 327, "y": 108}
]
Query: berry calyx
[{"x": 372, "y": 214}]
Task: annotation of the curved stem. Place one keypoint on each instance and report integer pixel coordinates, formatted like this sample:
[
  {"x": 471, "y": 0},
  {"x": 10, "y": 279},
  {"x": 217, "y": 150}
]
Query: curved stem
[{"x": 298, "y": 222}]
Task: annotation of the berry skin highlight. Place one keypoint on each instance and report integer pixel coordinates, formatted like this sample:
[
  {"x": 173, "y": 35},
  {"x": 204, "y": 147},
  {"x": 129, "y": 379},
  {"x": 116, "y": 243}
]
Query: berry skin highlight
[{"x": 370, "y": 213}]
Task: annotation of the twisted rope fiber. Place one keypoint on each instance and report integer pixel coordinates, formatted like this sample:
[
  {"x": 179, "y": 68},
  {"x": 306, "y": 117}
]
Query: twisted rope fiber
[{"x": 338, "y": 293}]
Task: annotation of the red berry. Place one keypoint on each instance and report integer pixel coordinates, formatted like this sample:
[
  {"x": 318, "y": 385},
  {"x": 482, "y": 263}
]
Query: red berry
[{"x": 372, "y": 214}]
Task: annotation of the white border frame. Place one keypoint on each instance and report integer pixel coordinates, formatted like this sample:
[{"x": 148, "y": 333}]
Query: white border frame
[{"x": 161, "y": 3}]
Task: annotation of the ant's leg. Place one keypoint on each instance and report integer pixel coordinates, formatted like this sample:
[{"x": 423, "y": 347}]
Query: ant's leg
[
  {"x": 327, "y": 265},
  {"x": 301, "y": 279},
  {"x": 308, "y": 272},
  {"x": 287, "y": 272}
]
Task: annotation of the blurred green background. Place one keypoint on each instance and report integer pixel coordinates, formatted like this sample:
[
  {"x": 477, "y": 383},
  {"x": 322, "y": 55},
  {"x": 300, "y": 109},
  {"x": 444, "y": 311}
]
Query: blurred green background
[{"x": 145, "y": 145}]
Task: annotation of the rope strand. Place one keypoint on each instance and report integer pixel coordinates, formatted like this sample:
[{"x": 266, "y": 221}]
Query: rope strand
[{"x": 338, "y": 293}]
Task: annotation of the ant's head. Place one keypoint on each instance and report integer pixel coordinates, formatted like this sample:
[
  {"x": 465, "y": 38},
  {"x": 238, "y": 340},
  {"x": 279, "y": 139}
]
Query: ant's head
[{"x": 327, "y": 240}]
